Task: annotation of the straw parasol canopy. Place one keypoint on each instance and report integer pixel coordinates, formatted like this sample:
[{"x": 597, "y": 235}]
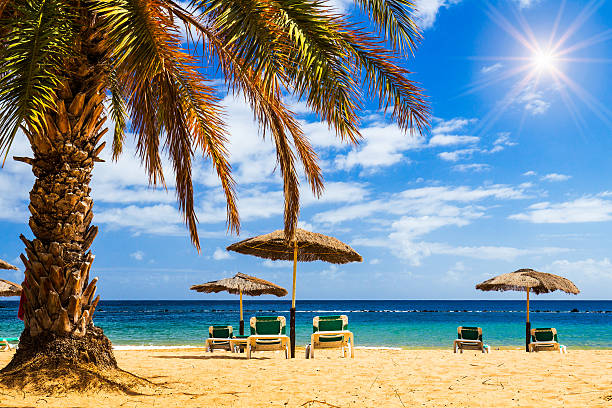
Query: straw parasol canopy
[
  {"x": 248, "y": 285},
  {"x": 528, "y": 280},
  {"x": 537, "y": 282},
  {"x": 8, "y": 288},
  {"x": 305, "y": 246},
  {"x": 311, "y": 246},
  {"x": 6, "y": 265},
  {"x": 241, "y": 284}
]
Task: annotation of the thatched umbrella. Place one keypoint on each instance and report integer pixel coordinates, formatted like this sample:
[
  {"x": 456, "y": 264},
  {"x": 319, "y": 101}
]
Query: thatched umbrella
[
  {"x": 241, "y": 284},
  {"x": 8, "y": 288},
  {"x": 529, "y": 280},
  {"x": 305, "y": 247},
  {"x": 6, "y": 265}
]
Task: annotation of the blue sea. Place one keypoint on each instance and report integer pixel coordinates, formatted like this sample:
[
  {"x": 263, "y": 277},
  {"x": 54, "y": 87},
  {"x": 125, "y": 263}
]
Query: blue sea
[{"x": 376, "y": 323}]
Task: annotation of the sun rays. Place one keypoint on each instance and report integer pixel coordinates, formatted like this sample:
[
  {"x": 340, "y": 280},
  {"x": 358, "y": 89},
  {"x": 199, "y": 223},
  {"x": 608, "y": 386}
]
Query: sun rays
[{"x": 543, "y": 64}]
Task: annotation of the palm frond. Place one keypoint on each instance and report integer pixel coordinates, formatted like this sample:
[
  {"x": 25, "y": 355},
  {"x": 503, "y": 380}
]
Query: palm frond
[
  {"x": 265, "y": 99},
  {"x": 117, "y": 113},
  {"x": 166, "y": 96},
  {"x": 38, "y": 38},
  {"x": 389, "y": 81},
  {"x": 394, "y": 19},
  {"x": 318, "y": 67}
]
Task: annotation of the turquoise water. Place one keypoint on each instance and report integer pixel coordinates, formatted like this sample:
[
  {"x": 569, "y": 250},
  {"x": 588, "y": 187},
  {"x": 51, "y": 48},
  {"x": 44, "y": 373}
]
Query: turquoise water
[{"x": 423, "y": 323}]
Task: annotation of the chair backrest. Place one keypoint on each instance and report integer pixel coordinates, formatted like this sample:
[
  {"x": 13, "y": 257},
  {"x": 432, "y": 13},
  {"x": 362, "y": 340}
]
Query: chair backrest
[
  {"x": 220, "y": 331},
  {"x": 544, "y": 334},
  {"x": 273, "y": 325},
  {"x": 469, "y": 333},
  {"x": 329, "y": 323}
]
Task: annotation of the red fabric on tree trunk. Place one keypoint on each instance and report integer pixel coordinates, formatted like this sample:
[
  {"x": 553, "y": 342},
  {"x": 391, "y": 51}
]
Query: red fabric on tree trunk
[{"x": 22, "y": 300}]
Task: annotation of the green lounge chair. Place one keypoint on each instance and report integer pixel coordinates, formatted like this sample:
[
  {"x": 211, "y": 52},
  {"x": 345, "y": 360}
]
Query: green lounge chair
[
  {"x": 331, "y": 332},
  {"x": 267, "y": 333},
  {"x": 545, "y": 338},
  {"x": 469, "y": 338},
  {"x": 219, "y": 337},
  {"x": 4, "y": 343}
]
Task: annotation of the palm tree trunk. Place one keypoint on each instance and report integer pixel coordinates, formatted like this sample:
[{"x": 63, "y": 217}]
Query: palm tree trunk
[{"x": 60, "y": 293}]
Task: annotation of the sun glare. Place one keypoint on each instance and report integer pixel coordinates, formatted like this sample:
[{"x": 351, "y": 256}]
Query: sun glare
[
  {"x": 543, "y": 64},
  {"x": 544, "y": 61}
]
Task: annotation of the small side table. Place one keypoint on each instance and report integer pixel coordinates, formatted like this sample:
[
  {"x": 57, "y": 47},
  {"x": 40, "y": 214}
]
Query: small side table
[{"x": 239, "y": 343}]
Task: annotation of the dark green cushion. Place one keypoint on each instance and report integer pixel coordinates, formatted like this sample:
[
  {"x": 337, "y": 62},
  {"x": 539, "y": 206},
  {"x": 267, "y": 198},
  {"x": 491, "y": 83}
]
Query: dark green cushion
[
  {"x": 543, "y": 334},
  {"x": 221, "y": 332},
  {"x": 330, "y": 323},
  {"x": 469, "y": 333},
  {"x": 267, "y": 325}
]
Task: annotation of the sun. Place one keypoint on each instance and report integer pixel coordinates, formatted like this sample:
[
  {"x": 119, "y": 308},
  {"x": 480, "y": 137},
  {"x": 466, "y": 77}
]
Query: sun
[{"x": 544, "y": 60}]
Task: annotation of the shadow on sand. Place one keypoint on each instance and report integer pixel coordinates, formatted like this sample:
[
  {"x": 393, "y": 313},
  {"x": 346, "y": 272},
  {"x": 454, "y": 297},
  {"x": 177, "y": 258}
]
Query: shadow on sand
[{"x": 214, "y": 357}]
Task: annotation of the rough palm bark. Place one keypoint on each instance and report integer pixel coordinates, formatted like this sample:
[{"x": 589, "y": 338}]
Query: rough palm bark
[{"x": 60, "y": 292}]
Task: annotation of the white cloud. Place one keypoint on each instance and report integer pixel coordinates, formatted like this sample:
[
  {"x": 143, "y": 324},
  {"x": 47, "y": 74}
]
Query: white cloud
[
  {"x": 331, "y": 273},
  {"x": 589, "y": 268},
  {"x": 414, "y": 251},
  {"x": 16, "y": 180},
  {"x": 382, "y": 146},
  {"x": 555, "y": 177},
  {"x": 138, "y": 255},
  {"x": 451, "y": 125},
  {"x": 585, "y": 209},
  {"x": 425, "y": 201},
  {"x": 277, "y": 264},
  {"x": 476, "y": 167},
  {"x": 532, "y": 100},
  {"x": 491, "y": 68},
  {"x": 427, "y": 11},
  {"x": 340, "y": 6},
  {"x": 161, "y": 219},
  {"x": 221, "y": 254},
  {"x": 530, "y": 173},
  {"x": 374, "y": 261},
  {"x": 449, "y": 140},
  {"x": 501, "y": 142},
  {"x": 457, "y": 154},
  {"x": 421, "y": 211}
]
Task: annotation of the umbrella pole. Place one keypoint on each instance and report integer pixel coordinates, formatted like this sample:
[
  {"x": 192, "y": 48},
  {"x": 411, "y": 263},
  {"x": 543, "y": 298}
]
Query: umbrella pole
[
  {"x": 527, "y": 325},
  {"x": 241, "y": 318},
  {"x": 292, "y": 317}
]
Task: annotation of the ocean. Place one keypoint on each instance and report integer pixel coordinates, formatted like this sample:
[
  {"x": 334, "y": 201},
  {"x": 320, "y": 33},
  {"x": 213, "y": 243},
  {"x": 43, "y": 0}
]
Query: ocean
[{"x": 376, "y": 323}]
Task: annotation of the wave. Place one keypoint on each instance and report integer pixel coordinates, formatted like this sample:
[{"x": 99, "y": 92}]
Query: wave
[{"x": 166, "y": 311}]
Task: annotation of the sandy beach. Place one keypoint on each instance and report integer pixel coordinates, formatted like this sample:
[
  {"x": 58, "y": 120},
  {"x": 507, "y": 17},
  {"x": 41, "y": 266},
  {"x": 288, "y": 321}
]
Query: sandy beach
[{"x": 374, "y": 378}]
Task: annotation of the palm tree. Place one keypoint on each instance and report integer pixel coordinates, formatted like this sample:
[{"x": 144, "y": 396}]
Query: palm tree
[{"x": 62, "y": 60}]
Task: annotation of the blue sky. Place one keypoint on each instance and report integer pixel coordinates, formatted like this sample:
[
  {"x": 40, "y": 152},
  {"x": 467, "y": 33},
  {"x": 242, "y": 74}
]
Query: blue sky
[{"x": 515, "y": 173}]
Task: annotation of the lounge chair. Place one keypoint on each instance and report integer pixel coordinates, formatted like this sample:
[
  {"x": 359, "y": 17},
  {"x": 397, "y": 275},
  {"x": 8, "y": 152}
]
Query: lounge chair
[
  {"x": 469, "y": 338},
  {"x": 4, "y": 343},
  {"x": 219, "y": 337},
  {"x": 545, "y": 338},
  {"x": 268, "y": 333},
  {"x": 331, "y": 332}
]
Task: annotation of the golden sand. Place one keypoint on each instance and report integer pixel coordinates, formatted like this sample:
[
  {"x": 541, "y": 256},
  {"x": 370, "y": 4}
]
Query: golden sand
[{"x": 374, "y": 378}]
